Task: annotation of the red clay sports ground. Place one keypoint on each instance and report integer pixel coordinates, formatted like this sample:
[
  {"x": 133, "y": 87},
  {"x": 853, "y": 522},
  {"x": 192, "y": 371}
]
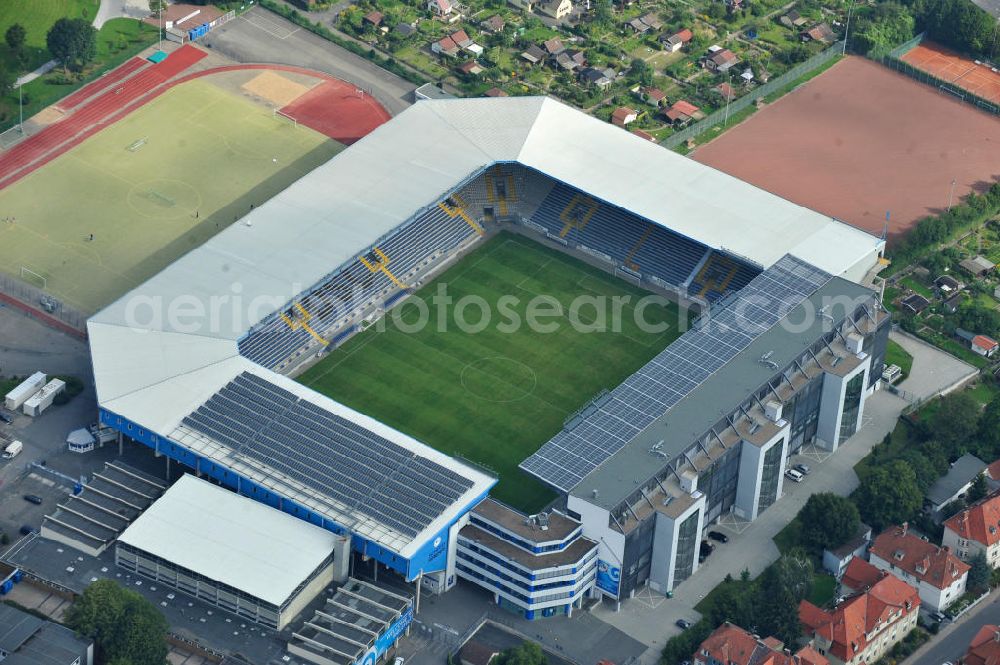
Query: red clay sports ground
[
  {"x": 334, "y": 108},
  {"x": 977, "y": 78},
  {"x": 860, "y": 140}
]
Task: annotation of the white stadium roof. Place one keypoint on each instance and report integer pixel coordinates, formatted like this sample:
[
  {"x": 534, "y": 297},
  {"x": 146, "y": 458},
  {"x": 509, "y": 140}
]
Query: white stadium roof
[
  {"x": 231, "y": 539},
  {"x": 167, "y": 346}
]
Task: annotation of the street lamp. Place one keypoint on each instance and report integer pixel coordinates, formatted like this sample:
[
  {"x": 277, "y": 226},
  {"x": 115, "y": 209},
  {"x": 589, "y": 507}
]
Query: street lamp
[{"x": 847, "y": 27}]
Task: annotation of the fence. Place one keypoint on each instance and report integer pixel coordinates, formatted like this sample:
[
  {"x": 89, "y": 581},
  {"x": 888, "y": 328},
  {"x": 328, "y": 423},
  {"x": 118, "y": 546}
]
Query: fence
[
  {"x": 34, "y": 302},
  {"x": 737, "y": 105},
  {"x": 892, "y": 61}
]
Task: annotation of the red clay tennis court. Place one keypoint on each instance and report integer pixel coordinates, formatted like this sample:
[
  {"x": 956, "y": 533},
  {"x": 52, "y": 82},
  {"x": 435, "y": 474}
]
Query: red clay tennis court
[
  {"x": 979, "y": 79},
  {"x": 860, "y": 140}
]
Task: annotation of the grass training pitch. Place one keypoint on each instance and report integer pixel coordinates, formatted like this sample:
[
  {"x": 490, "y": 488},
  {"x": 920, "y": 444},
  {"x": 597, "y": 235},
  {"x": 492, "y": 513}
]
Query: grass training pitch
[
  {"x": 495, "y": 396},
  {"x": 150, "y": 187}
]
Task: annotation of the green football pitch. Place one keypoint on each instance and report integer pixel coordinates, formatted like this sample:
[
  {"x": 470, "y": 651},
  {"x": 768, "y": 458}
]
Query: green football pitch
[
  {"x": 495, "y": 396},
  {"x": 150, "y": 187}
]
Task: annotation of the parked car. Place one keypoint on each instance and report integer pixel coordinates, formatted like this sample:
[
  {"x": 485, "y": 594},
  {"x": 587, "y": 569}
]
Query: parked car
[
  {"x": 27, "y": 529},
  {"x": 706, "y": 548},
  {"x": 5, "y": 418},
  {"x": 32, "y": 498},
  {"x": 683, "y": 624},
  {"x": 718, "y": 536},
  {"x": 802, "y": 468},
  {"x": 794, "y": 475}
]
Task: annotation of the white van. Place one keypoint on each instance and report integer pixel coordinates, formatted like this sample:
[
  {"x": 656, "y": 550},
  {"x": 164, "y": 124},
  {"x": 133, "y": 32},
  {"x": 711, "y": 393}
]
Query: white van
[{"x": 794, "y": 475}]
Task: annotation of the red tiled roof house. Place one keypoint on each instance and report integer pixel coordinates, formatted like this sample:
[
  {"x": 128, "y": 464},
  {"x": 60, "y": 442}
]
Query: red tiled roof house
[{"x": 939, "y": 575}]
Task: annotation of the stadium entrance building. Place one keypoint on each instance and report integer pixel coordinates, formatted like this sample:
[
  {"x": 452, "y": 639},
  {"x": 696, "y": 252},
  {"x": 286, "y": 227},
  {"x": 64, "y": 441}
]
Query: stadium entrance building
[{"x": 196, "y": 362}]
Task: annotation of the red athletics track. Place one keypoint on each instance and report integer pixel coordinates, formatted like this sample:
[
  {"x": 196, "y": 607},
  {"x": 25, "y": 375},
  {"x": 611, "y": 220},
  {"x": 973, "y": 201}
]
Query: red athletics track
[
  {"x": 92, "y": 88},
  {"x": 57, "y": 138},
  {"x": 57, "y": 144}
]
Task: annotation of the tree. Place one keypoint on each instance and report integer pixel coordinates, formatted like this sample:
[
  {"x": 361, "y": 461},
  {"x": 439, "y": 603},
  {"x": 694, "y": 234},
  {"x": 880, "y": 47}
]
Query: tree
[
  {"x": 123, "y": 624},
  {"x": 889, "y": 494},
  {"x": 955, "y": 422},
  {"x": 989, "y": 430},
  {"x": 15, "y": 36},
  {"x": 156, "y": 6},
  {"x": 641, "y": 72},
  {"x": 828, "y": 521},
  {"x": 73, "y": 42},
  {"x": 979, "y": 574},
  {"x": 779, "y": 591},
  {"x": 882, "y": 27},
  {"x": 978, "y": 491},
  {"x": 527, "y": 653},
  {"x": 602, "y": 13}
]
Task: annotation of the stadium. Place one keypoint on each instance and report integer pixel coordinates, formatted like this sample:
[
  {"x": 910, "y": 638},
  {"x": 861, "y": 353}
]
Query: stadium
[{"x": 200, "y": 362}]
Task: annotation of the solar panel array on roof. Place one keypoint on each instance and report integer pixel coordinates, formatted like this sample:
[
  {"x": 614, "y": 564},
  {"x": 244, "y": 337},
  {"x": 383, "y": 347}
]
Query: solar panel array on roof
[
  {"x": 570, "y": 455},
  {"x": 350, "y": 464}
]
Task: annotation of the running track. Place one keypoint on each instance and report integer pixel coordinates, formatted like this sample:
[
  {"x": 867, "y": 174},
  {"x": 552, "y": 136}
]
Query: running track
[
  {"x": 59, "y": 137},
  {"x": 56, "y": 139},
  {"x": 91, "y": 89}
]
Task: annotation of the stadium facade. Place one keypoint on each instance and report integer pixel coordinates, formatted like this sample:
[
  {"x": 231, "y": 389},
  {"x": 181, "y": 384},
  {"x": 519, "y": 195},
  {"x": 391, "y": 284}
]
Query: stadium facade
[{"x": 195, "y": 362}]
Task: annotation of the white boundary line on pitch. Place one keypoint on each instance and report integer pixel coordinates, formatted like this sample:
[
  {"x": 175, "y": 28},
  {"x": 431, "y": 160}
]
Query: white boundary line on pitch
[{"x": 259, "y": 23}]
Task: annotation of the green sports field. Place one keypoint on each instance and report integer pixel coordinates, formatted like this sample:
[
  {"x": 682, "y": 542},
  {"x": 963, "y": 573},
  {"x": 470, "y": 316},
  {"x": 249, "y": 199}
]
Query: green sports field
[
  {"x": 149, "y": 188},
  {"x": 495, "y": 396}
]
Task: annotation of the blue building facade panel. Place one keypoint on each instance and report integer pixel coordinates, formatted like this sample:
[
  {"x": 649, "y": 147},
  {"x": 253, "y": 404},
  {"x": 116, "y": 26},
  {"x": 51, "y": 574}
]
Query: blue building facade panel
[{"x": 431, "y": 557}]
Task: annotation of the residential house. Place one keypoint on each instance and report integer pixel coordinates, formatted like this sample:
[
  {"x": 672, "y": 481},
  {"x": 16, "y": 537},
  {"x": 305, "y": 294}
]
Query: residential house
[
  {"x": 440, "y": 7},
  {"x": 719, "y": 59},
  {"x": 570, "y": 60},
  {"x": 977, "y": 266},
  {"x": 675, "y": 42},
  {"x": 915, "y": 303},
  {"x": 557, "y": 9},
  {"x": 952, "y": 303},
  {"x": 553, "y": 46},
  {"x": 837, "y": 559},
  {"x": 731, "y": 645},
  {"x": 623, "y": 115},
  {"x": 984, "y": 346},
  {"x": 794, "y": 19},
  {"x": 859, "y": 576},
  {"x": 819, "y": 33},
  {"x": 865, "y": 627},
  {"x": 471, "y": 68},
  {"x": 984, "y": 649},
  {"x": 372, "y": 18},
  {"x": 405, "y": 30},
  {"x": 27, "y": 639},
  {"x": 948, "y": 285},
  {"x": 496, "y": 92},
  {"x": 461, "y": 39},
  {"x": 939, "y": 576},
  {"x": 955, "y": 483},
  {"x": 493, "y": 25},
  {"x": 975, "y": 529},
  {"x": 993, "y": 475},
  {"x": 963, "y": 335},
  {"x": 533, "y": 55},
  {"x": 725, "y": 91},
  {"x": 652, "y": 96},
  {"x": 638, "y": 25},
  {"x": 446, "y": 46},
  {"x": 652, "y": 21},
  {"x": 602, "y": 78},
  {"x": 682, "y": 112}
]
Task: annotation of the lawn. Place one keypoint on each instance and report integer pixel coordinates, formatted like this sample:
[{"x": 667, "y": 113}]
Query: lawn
[
  {"x": 494, "y": 396},
  {"x": 37, "y": 16},
  {"x": 897, "y": 355},
  {"x": 207, "y": 155}
]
